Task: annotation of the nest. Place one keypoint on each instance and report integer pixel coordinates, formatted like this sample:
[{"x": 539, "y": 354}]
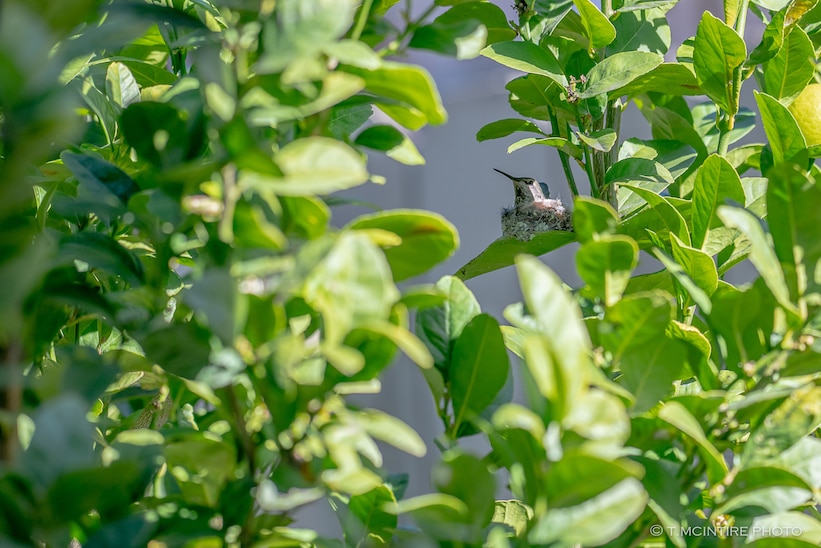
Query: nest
[{"x": 524, "y": 222}]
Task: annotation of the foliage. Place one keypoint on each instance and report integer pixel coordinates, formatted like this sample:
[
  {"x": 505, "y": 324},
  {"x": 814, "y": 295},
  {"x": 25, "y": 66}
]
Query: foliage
[{"x": 181, "y": 325}]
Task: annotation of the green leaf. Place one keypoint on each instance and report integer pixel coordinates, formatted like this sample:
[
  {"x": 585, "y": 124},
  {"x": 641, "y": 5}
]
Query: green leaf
[
  {"x": 100, "y": 251},
  {"x": 566, "y": 146},
  {"x": 598, "y": 28},
  {"x": 786, "y": 74},
  {"x": 503, "y": 128},
  {"x": 670, "y": 216},
  {"x": 636, "y": 321},
  {"x": 467, "y": 478},
  {"x": 392, "y": 142},
  {"x": 698, "y": 265},
  {"x": 602, "y": 140},
  {"x": 490, "y": 15},
  {"x": 793, "y": 202},
  {"x": 95, "y": 172},
  {"x": 593, "y": 217},
  {"x": 409, "y": 84},
  {"x": 642, "y": 172},
  {"x": 527, "y": 57},
  {"x": 478, "y": 369},
  {"x": 367, "y": 521},
  {"x": 700, "y": 298},
  {"x": 605, "y": 265},
  {"x": 439, "y": 327},
  {"x": 716, "y": 183},
  {"x": 618, "y": 70},
  {"x": 427, "y": 239},
  {"x": 717, "y": 57},
  {"x": 214, "y": 297},
  {"x": 513, "y": 515},
  {"x": 121, "y": 88},
  {"x": 566, "y": 341},
  {"x": 595, "y": 521},
  {"x": 314, "y": 165},
  {"x": 181, "y": 349},
  {"x": 502, "y": 252},
  {"x": 762, "y": 254},
  {"x": 352, "y": 285},
  {"x": 676, "y": 414},
  {"x": 353, "y": 52},
  {"x": 784, "y": 135},
  {"x": 771, "y": 40},
  {"x": 391, "y": 430},
  {"x": 797, "y": 525},
  {"x": 462, "y": 38},
  {"x": 645, "y": 30},
  {"x": 201, "y": 467},
  {"x": 667, "y": 78},
  {"x": 159, "y": 133}
]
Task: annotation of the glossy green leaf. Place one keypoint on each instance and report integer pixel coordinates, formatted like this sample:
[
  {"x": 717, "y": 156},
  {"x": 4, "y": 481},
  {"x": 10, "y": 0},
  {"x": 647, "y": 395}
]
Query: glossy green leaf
[
  {"x": 93, "y": 171},
  {"x": 490, "y": 15},
  {"x": 315, "y": 165},
  {"x": 718, "y": 54},
  {"x": 605, "y": 265},
  {"x": 664, "y": 209},
  {"x": 478, "y": 369},
  {"x": 367, "y": 521},
  {"x": 642, "y": 172},
  {"x": 592, "y": 217},
  {"x": 786, "y": 74},
  {"x": 618, "y": 70},
  {"x": 502, "y": 252},
  {"x": 645, "y": 30},
  {"x": 560, "y": 143},
  {"x": 636, "y": 321},
  {"x": 503, "y": 128},
  {"x": 602, "y": 140},
  {"x": 121, "y": 88},
  {"x": 793, "y": 202},
  {"x": 526, "y": 57},
  {"x": 99, "y": 251},
  {"x": 427, "y": 239},
  {"x": 598, "y": 28},
  {"x": 667, "y": 78},
  {"x": 595, "y": 521},
  {"x": 677, "y": 415},
  {"x": 784, "y": 136},
  {"x": 392, "y": 142},
  {"x": 439, "y": 327},
  {"x": 696, "y": 264},
  {"x": 716, "y": 183}
]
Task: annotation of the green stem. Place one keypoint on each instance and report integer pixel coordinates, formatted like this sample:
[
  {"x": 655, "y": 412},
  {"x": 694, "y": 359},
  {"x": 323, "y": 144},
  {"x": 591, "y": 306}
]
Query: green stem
[
  {"x": 725, "y": 125},
  {"x": 741, "y": 20},
  {"x": 607, "y": 7},
  {"x": 588, "y": 163},
  {"x": 563, "y": 156},
  {"x": 364, "y": 12}
]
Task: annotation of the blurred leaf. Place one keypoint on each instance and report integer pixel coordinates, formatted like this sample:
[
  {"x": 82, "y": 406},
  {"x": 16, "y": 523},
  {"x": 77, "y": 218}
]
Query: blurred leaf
[
  {"x": 201, "y": 467},
  {"x": 315, "y": 165},
  {"x": 677, "y": 415},
  {"x": 100, "y": 251},
  {"x": 426, "y": 239},
  {"x": 120, "y": 86},
  {"x": 468, "y": 479},
  {"x": 392, "y": 142},
  {"x": 392, "y": 430},
  {"x": 463, "y": 38},
  {"x": 594, "y": 521},
  {"x": 407, "y": 84},
  {"x": 366, "y": 521},
  {"x": 605, "y": 265}
]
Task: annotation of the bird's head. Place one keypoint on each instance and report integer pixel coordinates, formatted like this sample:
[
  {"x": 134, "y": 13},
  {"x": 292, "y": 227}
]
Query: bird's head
[{"x": 527, "y": 189}]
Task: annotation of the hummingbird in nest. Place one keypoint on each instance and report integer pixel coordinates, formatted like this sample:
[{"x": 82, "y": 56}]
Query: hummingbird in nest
[{"x": 533, "y": 210}]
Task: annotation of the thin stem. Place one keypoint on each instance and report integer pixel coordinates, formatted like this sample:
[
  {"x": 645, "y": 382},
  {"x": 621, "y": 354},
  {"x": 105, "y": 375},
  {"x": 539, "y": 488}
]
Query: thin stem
[
  {"x": 563, "y": 156},
  {"x": 588, "y": 163},
  {"x": 607, "y": 7},
  {"x": 741, "y": 20},
  {"x": 725, "y": 125},
  {"x": 364, "y": 12}
]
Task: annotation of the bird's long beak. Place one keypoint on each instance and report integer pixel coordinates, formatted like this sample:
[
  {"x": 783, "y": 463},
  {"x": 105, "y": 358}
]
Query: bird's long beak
[{"x": 511, "y": 177}]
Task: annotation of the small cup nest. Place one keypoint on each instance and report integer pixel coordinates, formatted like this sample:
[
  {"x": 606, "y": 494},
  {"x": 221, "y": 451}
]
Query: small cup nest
[{"x": 524, "y": 222}]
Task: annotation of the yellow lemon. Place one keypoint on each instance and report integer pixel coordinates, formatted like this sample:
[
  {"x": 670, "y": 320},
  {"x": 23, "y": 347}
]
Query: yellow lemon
[{"x": 807, "y": 112}]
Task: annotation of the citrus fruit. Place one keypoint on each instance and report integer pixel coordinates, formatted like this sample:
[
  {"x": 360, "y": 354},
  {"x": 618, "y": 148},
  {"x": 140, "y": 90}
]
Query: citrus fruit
[{"x": 807, "y": 112}]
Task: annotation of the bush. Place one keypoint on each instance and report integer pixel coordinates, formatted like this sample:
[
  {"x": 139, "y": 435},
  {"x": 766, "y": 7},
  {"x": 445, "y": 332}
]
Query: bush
[{"x": 181, "y": 326}]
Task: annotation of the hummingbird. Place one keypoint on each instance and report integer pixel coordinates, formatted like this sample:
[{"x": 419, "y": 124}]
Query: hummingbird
[{"x": 533, "y": 210}]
